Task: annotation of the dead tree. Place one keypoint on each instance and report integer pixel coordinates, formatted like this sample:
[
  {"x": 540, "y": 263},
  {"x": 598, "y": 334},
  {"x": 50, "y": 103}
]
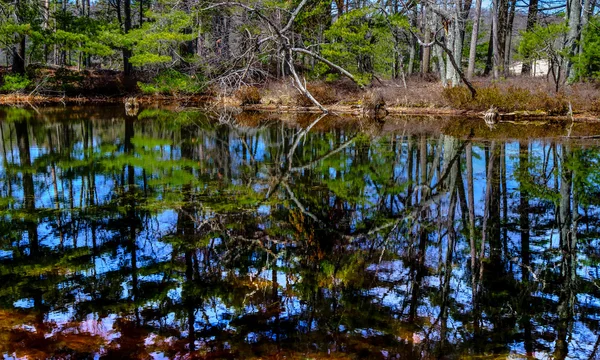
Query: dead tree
[{"x": 281, "y": 38}]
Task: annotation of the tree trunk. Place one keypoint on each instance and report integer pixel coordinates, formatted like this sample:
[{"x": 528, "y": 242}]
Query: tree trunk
[
  {"x": 474, "y": 36},
  {"x": 413, "y": 44},
  {"x": 451, "y": 43},
  {"x": 509, "y": 31},
  {"x": 18, "y": 63},
  {"x": 531, "y": 21},
  {"x": 427, "y": 38},
  {"x": 489, "y": 63},
  {"x": 439, "y": 54},
  {"x": 127, "y": 52},
  {"x": 497, "y": 48},
  {"x": 458, "y": 28},
  {"x": 141, "y": 21},
  {"x": 585, "y": 18},
  {"x": 574, "y": 23}
]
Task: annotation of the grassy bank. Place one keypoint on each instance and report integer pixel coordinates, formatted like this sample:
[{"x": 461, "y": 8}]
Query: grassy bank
[
  {"x": 526, "y": 97},
  {"x": 531, "y": 95}
]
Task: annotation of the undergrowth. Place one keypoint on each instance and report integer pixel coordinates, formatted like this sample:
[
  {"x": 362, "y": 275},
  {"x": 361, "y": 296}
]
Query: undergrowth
[
  {"x": 172, "y": 82},
  {"x": 510, "y": 99},
  {"x": 14, "y": 83},
  {"x": 248, "y": 95},
  {"x": 324, "y": 94}
]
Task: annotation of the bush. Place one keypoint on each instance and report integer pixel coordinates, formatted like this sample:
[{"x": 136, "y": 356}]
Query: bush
[
  {"x": 506, "y": 100},
  {"x": 595, "y": 107},
  {"x": 248, "y": 95},
  {"x": 458, "y": 97},
  {"x": 15, "y": 83},
  {"x": 66, "y": 79},
  {"x": 553, "y": 105},
  {"x": 373, "y": 101},
  {"x": 322, "y": 92},
  {"x": 172, "y": 82}
]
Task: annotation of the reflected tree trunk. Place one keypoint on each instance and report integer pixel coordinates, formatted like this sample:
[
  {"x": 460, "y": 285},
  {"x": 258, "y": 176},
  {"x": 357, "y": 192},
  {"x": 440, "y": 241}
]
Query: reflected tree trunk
[
  {"x": 568, "y": 265},
  {"x": 22, "y": 132}
]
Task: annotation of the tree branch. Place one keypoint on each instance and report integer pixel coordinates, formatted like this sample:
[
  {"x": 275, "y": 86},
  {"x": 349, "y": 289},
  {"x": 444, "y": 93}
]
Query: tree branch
[{"x": 329, "y": 63}]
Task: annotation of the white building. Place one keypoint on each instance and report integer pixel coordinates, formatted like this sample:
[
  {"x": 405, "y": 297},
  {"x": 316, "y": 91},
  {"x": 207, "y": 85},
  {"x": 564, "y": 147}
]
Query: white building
[{"x": 538, "y": 68}]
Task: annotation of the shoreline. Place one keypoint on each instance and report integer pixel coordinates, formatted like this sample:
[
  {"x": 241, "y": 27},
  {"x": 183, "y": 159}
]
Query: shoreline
[
  {"x": 423, "y": 111},
  {"x": 212, "y": 102}
]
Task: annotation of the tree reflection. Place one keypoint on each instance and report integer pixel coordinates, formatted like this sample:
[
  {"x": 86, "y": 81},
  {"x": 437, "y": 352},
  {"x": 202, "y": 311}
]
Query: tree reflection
[{"x": 185, "y": 235}]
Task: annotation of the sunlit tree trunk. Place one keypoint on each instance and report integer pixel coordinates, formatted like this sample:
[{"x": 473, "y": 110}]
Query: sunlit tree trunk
[
  {"x": 474, "y": 36},
  {"x": 426, "y": 51},
  {"x": 497, "y": 43},
  {"x": 456, "y": 38},
  {"x": 574, "y": 22}
]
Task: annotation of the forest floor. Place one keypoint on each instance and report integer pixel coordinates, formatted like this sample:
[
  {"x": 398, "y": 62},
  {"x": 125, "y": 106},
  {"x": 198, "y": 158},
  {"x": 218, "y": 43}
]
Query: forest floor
[{"x": 516, "y": 97}]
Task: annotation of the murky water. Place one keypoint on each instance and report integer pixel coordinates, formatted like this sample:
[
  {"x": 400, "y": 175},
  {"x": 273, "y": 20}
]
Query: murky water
[{"x": 186, "y": 235}]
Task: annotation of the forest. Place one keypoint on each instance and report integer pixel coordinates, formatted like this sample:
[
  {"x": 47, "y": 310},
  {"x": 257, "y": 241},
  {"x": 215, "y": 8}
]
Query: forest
[{"x": 420, "y": 53}]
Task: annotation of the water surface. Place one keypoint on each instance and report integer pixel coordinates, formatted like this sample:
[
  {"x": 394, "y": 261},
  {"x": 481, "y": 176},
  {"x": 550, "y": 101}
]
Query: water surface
[{"x": 193, "y": 235}]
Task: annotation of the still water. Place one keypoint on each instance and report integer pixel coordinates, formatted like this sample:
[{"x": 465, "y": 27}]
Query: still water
[{"x": 192, "y": 235}]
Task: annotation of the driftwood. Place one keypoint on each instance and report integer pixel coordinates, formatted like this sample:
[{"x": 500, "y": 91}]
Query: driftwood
[
  {"x": 491, "y": 116},
  {"x": 132, "y": 106}
]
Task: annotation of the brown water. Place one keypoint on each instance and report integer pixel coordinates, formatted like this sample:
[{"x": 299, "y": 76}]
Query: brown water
[{"x": 192, "y": 235}]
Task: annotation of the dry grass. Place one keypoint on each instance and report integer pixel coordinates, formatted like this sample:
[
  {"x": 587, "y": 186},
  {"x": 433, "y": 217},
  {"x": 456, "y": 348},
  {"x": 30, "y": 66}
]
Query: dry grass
[
  {"x": 24, "y": 99},
  {"x": 595, "y": 107},
  {"x": 511, "y": 99},
  {"x": 278, "y": 93},
  {"x": 518, "y": 93},
  {"x": 321, "y": 91},
  {"x": 417, "y": 94},
  {"x": 372, "y": 101},
  {"x": 248, "y": 95},
  {"x": 513, "y": 94}
]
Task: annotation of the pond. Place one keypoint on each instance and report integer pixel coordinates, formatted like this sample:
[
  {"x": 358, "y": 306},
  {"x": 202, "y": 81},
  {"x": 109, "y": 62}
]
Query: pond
[{"x": 188, "y": 234}]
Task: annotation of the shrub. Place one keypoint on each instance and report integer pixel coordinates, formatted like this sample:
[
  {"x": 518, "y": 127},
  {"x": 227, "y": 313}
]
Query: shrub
[
  {"x": 458, "y": 97},
  {"x": 172, "y": 82},
  {"x": 14, "y": 83},
  {"x": 506, "y": 100},
  {"x": 595, "y": 107},
  {"x": 373, "y": 101},
  {"x": 488, "y": 97},
  {"x": 553, "y": 105},
  {"x": 248, "y": 95},
  {"x": 322, "y": 92},
  {"x": 66, "y": 79}
]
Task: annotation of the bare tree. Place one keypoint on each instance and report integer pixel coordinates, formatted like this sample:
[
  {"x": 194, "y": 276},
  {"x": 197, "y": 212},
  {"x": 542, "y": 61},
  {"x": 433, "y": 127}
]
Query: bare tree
[{"x": 282, "y": 37}]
